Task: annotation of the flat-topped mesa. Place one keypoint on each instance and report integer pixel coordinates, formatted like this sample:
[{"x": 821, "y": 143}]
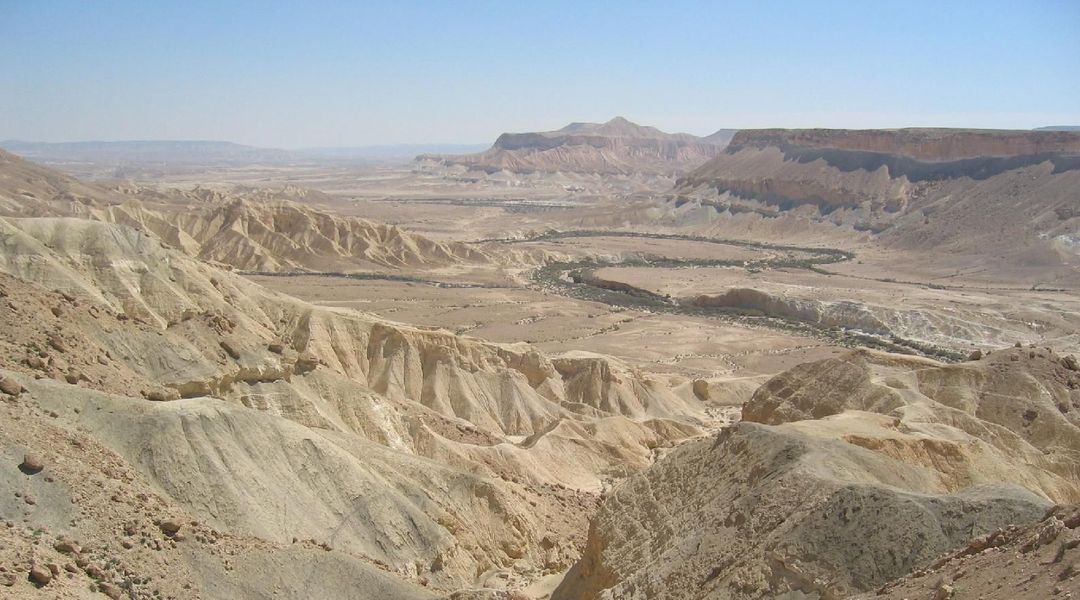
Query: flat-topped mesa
[
  {"x": 878, "y": 172},
  {"x": 924, "y": 144},
  {"x": 615, "y": 147}
]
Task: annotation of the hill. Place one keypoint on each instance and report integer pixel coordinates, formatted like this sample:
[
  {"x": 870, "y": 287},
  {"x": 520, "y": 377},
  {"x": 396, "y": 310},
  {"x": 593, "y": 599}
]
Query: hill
[
  {"x": 268, "y": 419},
  {"x": 615, "y": 147},
  {"x": 843, "y": 475},
  {"x": 249, "y": 229}
]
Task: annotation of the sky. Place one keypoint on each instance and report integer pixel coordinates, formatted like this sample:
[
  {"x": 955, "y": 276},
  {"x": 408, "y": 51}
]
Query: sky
[{"x": 322, "y": 73}]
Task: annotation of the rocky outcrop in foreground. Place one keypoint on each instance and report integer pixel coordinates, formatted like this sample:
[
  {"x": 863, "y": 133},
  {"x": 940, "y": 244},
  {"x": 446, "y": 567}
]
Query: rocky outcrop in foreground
[{"x": 844, "y": 475}]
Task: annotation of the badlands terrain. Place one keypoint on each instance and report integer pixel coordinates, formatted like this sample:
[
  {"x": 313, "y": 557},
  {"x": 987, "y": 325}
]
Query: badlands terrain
[{"x": 603, "y": 362}]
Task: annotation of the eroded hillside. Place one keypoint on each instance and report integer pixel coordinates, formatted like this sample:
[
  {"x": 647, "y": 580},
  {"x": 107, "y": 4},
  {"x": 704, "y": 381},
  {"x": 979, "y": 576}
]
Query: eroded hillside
[
  {"x": 172, "y": 427},
  {"x": 254, "y": 229},
  {"x": 843, "y": 475},
  {"x": 1005, "y": 195},
  {"x": 276, "y": 411}
]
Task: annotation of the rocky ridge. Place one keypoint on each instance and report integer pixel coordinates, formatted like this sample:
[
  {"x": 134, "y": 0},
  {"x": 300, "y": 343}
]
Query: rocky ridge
[
  {"x": 261, "y": 373},
  {"x": 245, "y": 228},
  {"x": 843, "y": 475}
]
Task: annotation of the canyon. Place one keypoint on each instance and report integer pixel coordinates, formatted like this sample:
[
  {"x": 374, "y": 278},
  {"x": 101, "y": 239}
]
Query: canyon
[{"x": 601, "y": 362}]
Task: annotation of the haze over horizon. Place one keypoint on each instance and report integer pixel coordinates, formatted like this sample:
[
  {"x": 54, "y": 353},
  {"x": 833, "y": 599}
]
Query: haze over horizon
[
  {"x": 495, "y": 300},
  {"x": 333, "y": 74}
]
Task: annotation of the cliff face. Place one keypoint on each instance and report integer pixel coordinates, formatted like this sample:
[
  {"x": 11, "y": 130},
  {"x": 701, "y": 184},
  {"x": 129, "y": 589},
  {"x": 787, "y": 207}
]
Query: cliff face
[
  {"x": 920, "y": 144},
  {"x": 920, "y": 188},
  {"x": 836, "y": 168},
  {"x": 615, "y": 147},
  {"x": 919, "y": 154}
]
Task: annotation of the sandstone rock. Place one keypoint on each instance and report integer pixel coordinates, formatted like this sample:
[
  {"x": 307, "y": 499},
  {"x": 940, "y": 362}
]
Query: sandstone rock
[
  {"x": 35, "y": 362},
  {"x": 57, "y": 343},
  {"x": 701, "y": 389},
  {"x": 1070, "y": 363},
  {"x": 944, "y": 592},
  {"x": 976, "y": 355},
  {"x": 110, "y": 590},
  {"x": 230, "y": 349},
  {"x": 31, "y": 464},
  {"x": 170, "y": 526},
  {"x": 162, "y": 395},
  {"x": 306, "y": 362},
  {"x": 1046, "y": 533},
  {"x": 40, "y": 575},
  {"x": 11, "y": 387},
  {"x": 67, "y": 547}
]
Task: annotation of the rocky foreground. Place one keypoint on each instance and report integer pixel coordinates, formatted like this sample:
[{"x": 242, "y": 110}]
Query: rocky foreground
[
  {"x": 287, "y": 448},
  {"x": 843, "y": 476}
]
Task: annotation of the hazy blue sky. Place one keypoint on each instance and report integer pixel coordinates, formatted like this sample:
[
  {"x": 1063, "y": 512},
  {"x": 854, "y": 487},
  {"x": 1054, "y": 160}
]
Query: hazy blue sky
[{"x": 310, "y": 73}]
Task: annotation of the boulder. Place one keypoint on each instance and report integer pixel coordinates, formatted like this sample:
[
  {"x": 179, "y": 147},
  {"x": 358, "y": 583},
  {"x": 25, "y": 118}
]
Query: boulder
[
  {"x": 40, "y": 575},
  {"x": 31, "y": 464},
  {"x": 11, "y": 387},
  {"x": 170, "y": 526},
  {"x": 230, "y": 349},
  {"x": 306, "y": 362}
]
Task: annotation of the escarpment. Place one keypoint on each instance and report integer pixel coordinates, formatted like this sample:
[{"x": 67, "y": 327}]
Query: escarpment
[
  {"x": 959, "y": 191},
  {"x": 834, "y": 169}
]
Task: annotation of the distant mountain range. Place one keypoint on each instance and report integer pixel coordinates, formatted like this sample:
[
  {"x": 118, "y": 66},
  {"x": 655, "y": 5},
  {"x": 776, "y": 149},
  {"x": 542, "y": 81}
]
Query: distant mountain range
[
  {"x": 214, "y": 152},
  {"x": 615, "y": 146}
]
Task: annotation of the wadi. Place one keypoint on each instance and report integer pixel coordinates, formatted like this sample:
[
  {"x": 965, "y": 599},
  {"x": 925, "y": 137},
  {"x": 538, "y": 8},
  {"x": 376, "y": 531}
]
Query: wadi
[{"x": 602, "y": 362}]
